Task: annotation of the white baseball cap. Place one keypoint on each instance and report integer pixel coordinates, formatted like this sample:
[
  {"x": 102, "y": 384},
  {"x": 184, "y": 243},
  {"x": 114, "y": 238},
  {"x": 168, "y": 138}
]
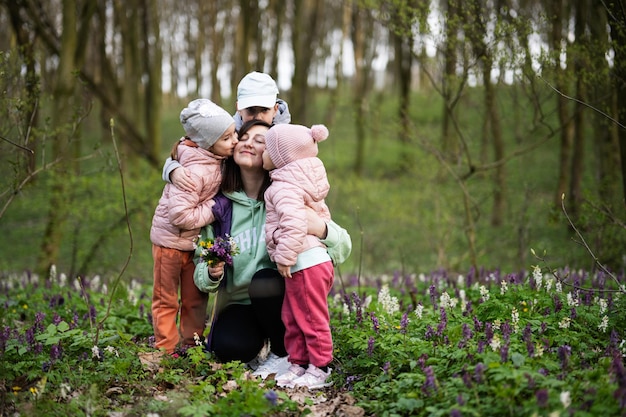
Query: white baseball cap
[{"x": 256, "y": 89}]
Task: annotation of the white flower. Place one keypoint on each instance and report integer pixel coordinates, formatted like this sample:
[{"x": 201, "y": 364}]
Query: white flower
[
  {"x": 571, "y": 300},
  {"x": 603, "y": 305},
  {"x": 558, "y": 287},
  {"x": 564, "y": 323},
  {"x": 549, "y": 282},
  {"x": 538, "y": 350},
  {"x": 537, "y": 276},
  {"x": 503, "y": 287},
  {"x": 515, "y": 319},
  {"x": 495, "y": 342},
  {"x": 444, "y": 300},
  {"x": 390, "y": 304},
  {"x": 53, "y": 272},
  {"x": 95, "y": 352},
  {"x": 65, "y": 390},
  {"x": 604, "y": 323},
  {"x": 484, "y": 292},
  {"x": 111, "y": 349},
  {"x": 419, "y": 311},
  {"x": 565, "y": 399}
]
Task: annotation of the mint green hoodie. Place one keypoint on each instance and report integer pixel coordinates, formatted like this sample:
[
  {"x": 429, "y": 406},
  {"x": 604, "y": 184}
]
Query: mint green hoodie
[{"x": 248, "y": 230}]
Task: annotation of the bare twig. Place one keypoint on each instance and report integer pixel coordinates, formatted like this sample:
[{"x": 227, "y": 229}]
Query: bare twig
[
  {"x": 130, "y": 235},
  {"x": 18, "y": 145},
  {"x": 582, "y": 102},
  {"x": 584, "y": 242}
]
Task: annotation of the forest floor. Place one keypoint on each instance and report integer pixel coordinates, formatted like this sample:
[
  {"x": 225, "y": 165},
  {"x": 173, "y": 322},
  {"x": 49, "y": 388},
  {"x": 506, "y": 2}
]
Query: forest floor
[{"x": 329, "y": 401}]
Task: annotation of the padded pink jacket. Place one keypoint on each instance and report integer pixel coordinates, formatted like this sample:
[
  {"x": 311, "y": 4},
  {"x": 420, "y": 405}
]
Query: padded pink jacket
[
  {"x": 180, "y": 215},
  {"x": 297, "y": 185}
]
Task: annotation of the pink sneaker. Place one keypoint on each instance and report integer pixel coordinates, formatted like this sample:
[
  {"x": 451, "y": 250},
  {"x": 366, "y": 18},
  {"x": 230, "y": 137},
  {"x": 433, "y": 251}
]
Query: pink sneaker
[
  {"x": 286, "y": 379},
  {"x": 313, "y": 378}
]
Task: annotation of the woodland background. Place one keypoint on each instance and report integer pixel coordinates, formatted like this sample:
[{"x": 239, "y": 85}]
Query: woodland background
[{"x": 456, "y": 126}]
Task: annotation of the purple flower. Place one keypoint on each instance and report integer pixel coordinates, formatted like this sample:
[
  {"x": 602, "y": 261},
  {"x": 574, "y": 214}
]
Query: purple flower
[
  {"x": 271, "y": 396},
  {"x": 56, "y": 351},
  {"x": 479, "y": 372},
  {"x": 504, "y": 352},
  {"x": 455, "y": 413},
  {"x": 433, "y": 296},
  {"x": 564, "y": 353},
  {"x": 404, "y": 323},
  {"x": 370, "y": 346},
  {"x": 478, "y": 325},
  {"x": 542, "y": 397},
  {"x": 386, "y": 367},
  {"x": 443, "y": 322},
  {"x": 375, "y": 322},
  {"x": 430, "y": 384},
  {"x": 573, "y": 314},
  {"x": 488, "y": 332}
]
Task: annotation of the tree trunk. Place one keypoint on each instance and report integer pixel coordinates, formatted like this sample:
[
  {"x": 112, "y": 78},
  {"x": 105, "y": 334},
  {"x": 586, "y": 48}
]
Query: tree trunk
[
  {"x": 152, "y": 64},
  {"x": 562, "y": 102},
  {"x": 617, "y": 21},
  {"x": 64, "y": 92},
  {"x": 449, "y": 145},
  {"x": 307, "y": 15},
  {"x": 581, "y": 69}
]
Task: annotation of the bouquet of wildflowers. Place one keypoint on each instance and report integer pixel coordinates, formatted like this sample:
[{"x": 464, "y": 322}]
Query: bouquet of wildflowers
[{"x": 218, "y": 250}]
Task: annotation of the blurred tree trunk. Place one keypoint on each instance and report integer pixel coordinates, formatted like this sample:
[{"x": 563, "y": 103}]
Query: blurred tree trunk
[
  {"x": 331, "y": 109},
  {"x": 127, "y": 19},
  {"x": 605, "y": 132},
  {"x": 277, "y": 13},
  {"x": 26, "y": 41},
  {"x": 617, "y": 22},
  {"x": 403, "y": 54},
  {"x": 449, "y": 144},
  {"x": 152, "y": 66},
  {"x": 362, "y": 27},
  {"x": 67, "y": 100},
  {"x": 307, "y": 14},
  {"x": 579, "y": 51},
  {"x": 246, "y": 36},
  {"x": 216, "y": 35},
  {"x": 556, "y": 42},
  {"x": 492, "y": 129}
]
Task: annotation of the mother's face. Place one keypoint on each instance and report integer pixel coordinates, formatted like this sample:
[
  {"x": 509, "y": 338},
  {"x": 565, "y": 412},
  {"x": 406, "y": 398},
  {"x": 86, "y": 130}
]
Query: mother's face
[{"x": 249, "y": 150}]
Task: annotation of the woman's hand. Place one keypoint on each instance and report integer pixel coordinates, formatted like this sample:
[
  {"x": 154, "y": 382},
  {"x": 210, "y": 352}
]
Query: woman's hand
[
  {"x": 216, "y": 271},
  {"x": 284, "y": 270},
  {"x": 315, "y": 225},
  {"x": 181, "y": 179}
]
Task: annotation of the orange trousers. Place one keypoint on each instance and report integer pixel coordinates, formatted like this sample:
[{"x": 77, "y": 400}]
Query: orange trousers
[{"x": 173, "y": 271}]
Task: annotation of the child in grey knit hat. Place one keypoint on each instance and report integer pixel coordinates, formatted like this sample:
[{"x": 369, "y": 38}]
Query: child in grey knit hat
[{"x": 209, "y": 139}]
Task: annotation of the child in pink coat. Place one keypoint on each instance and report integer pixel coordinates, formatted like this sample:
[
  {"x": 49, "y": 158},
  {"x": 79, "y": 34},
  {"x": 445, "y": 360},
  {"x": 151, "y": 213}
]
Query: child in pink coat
[
  {"x": 209, "y": 139},
  {"x": 299, "y": 182}
]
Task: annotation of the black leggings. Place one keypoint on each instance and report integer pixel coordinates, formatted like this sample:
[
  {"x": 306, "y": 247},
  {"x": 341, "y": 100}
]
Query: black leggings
[{"x": 240, "y": 331}]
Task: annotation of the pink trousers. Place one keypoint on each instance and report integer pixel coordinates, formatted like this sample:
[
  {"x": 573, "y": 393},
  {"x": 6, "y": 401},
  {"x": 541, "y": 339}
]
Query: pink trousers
[
  {"x": 173, "y": 271},
  {"x": 306, "y": 317}
]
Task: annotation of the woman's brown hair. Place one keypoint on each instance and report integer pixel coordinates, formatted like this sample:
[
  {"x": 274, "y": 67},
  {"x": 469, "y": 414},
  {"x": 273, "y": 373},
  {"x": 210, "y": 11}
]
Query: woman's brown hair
[{"x": 231, "y": 174}]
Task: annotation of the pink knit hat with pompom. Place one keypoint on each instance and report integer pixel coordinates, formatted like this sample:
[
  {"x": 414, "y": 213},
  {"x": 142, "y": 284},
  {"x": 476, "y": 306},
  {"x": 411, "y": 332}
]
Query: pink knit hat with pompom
[{"x": 286, "y": 143}]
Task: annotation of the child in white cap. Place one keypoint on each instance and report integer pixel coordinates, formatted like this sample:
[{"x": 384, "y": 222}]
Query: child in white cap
[
  {"x": 299, "y": 182},
  {"x": 209, "y": 139},
  {"x": 257, "y": 98}
]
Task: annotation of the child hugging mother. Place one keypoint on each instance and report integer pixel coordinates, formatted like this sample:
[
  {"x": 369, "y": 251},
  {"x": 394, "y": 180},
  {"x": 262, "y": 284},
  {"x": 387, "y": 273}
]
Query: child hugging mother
[{"x": 247, "y": 310}]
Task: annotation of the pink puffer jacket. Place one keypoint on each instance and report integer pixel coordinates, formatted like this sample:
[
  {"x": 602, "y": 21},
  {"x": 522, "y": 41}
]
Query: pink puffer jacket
[
  {"x": 180, "y": 215},
  {"x": 297, "y": 185}
]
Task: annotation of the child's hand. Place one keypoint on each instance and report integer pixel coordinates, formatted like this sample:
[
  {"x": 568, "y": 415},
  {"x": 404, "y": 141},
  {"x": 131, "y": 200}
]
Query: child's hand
[
  {"x": 181, "y": 179},
  {"x": 216, "y": 271},
  {"x": 284, "y": 270}
]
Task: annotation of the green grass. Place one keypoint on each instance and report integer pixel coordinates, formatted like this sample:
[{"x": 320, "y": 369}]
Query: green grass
[
  {"x": 436, "y": 344},
  {"x": 405, "y": 216}
]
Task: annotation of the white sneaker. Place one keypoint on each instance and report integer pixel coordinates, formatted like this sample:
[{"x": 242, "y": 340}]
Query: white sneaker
[
  {"x": 313, "y": 378},
  {"x": 274, "y": 364},
  {"x": 286, "y": 378}
]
